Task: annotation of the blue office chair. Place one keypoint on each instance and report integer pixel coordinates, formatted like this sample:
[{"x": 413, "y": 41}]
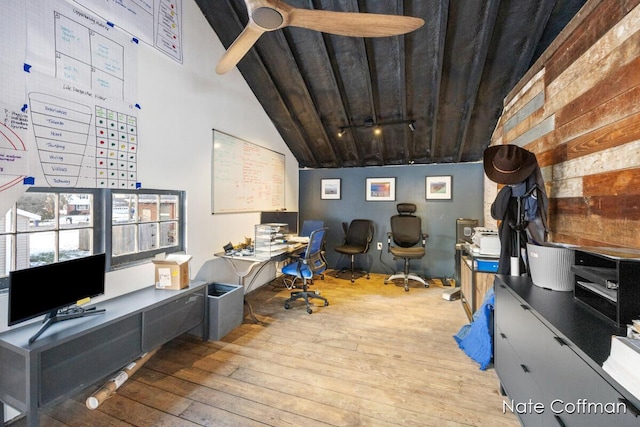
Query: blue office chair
[
  {"x": 310, "y": 225},
  {"x": 305, "y": 266}
]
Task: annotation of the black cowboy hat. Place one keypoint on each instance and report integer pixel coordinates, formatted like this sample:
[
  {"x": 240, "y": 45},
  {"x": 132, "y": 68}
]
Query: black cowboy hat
[{"x": 508, "y": 164}]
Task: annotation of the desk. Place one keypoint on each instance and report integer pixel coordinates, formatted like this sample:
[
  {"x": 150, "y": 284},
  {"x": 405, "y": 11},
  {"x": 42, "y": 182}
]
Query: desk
[
  {"x": 475, "y": 278},
  {"x": 74, "y": 354},
  {"x": 251, "y": 263}
]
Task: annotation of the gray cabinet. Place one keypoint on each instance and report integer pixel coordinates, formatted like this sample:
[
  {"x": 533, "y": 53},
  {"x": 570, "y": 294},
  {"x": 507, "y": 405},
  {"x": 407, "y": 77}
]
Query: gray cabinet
[
  {"x": 74, "y": 354},
  {"x": 548, "y": 355}
]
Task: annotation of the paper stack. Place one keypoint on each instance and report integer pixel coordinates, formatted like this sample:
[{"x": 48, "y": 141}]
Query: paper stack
[{"x": 623, "y": 361}]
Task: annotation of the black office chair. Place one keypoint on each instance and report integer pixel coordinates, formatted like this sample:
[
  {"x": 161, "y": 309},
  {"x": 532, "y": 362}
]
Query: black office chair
[
  {"x": 406, "y": 233},
  {"x": 305, "y": 267},
  {"x": 358, "y": 236}
]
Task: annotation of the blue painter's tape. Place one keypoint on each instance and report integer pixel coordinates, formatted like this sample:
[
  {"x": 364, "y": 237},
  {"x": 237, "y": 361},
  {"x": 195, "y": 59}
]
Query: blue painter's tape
[
  {"x": 24, "y": 108},
  {"x": 138, "y": 185},
  {"x": 135, "y": 40},
  {"x": 111, "y": 24},
  {"x": 26, "y": 67},
  {"x": 29, "y": 180},
  {"x": 138, "y": 106}
]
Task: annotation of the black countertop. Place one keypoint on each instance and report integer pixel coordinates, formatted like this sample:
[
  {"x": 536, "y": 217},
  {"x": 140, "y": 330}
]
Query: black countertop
[{"x": 589, "y": 331}]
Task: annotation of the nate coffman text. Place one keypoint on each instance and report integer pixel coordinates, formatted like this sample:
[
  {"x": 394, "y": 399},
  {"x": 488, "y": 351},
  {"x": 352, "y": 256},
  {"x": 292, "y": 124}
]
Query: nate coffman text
[{"x": 559, "y": 406}]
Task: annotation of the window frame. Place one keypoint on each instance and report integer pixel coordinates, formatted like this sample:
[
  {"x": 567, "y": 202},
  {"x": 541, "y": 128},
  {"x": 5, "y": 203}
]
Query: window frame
[
  {"x": 122, "y": 261},
  {"x": 101, "y": 225}
]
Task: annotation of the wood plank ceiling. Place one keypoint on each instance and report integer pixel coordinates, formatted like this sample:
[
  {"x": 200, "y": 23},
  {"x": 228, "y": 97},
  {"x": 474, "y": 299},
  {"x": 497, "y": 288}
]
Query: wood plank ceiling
[{"x": 448, "y": 78}]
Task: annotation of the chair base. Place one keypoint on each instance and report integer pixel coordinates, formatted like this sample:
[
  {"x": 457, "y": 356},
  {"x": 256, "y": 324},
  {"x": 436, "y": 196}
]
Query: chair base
[
  {"x": 353, "y": 270},
  {"x": 406, "y": 278},
  {"x": 306, "y": 296}
]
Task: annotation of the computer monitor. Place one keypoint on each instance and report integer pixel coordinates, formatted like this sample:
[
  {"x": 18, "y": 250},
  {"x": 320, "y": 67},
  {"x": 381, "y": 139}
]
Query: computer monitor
[{"x": 281, "y": 217}]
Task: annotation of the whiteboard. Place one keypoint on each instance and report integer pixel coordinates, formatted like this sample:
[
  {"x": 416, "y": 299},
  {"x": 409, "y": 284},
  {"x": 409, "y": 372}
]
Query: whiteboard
[{"x": 245, "y": 177}]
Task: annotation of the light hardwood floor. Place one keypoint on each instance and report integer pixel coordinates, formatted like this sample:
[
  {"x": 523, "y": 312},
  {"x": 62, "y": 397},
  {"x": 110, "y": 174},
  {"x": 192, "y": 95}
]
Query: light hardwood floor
[{"x": 376, "y": 356}]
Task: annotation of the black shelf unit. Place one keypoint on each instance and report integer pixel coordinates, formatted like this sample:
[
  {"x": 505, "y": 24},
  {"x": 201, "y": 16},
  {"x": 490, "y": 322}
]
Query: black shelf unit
[{"x": 607, "y": 281}]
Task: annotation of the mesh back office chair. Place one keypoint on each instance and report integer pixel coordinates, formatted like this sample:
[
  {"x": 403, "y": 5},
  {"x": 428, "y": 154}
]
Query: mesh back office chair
[
  {"x": 308, "y": 226},
  {"x": 358, "y": 236},
  {"x": 406, "y": 233},
  {"x": 305, "y": 266}
]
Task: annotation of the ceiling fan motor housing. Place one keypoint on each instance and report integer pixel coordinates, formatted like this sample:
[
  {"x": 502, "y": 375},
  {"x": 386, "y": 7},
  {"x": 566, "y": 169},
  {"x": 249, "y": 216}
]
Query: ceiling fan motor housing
[{"x": 267, "y": 18}]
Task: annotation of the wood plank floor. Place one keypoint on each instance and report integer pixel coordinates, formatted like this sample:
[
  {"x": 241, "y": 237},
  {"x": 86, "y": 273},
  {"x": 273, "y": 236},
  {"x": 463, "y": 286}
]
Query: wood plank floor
[{"x": 376, "y": 356}]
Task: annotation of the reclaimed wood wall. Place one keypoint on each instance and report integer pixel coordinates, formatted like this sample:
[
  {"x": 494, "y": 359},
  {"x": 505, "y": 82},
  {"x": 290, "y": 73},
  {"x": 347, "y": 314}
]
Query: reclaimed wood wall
[{"x": 578, "y": 110}]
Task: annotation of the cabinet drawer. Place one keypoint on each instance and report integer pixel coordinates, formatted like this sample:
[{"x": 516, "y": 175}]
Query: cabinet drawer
[
  {"x": 517, "y": 381},
  {"x": 164, "y": 323},
  {"x": 97, "y": 354}
]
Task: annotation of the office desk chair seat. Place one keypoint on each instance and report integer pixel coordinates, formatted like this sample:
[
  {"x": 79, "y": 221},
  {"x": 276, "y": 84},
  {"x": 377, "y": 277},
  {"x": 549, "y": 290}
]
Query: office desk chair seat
[
  {"x": 358, "y": 236},
  {"x": 305, "y": 267},
  {"x": 406, "y": 233}
]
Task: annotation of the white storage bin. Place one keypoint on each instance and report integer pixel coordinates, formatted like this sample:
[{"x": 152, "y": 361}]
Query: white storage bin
[{"x": 550, "y": 266}]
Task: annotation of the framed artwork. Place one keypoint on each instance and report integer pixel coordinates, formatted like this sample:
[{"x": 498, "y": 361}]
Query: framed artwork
[
  {"x": 381, "y": 189},
  {"x": 438, "y": 187},
  {"x": 330, "y": 189}
]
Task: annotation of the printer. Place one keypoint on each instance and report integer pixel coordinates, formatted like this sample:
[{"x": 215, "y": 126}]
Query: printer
[{"x": 486, "y": 241}]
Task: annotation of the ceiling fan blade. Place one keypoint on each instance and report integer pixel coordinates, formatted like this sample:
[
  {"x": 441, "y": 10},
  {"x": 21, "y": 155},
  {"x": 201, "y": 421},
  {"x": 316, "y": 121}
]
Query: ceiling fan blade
[
  {"x": 239, "y": 48},
  {"x": 353, "y": 24}
]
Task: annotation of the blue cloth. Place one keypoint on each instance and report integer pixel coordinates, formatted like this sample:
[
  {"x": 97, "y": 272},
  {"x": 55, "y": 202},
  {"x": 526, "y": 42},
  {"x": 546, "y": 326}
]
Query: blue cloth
[{"x": 476, "y": 338}]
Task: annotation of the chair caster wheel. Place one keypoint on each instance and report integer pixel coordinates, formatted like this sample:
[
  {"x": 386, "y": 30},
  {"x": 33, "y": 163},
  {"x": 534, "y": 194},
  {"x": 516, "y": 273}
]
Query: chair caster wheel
[
  {"x": 309, "y": 311},
  {"x": 287, "y": 306},
  {"x": 326, "y": 303}
]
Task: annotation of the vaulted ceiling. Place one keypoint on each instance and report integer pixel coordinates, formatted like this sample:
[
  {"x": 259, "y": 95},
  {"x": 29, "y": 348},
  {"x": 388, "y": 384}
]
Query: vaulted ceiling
[{"x": 448, "y": 78}]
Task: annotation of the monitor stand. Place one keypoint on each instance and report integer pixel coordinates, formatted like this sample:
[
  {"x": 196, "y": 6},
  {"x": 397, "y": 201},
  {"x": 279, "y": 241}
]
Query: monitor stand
[{"x": 56, "y": 316}]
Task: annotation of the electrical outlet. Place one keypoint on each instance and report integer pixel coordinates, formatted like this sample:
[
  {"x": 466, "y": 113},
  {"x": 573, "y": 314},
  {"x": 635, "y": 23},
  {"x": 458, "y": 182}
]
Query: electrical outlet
[{"x": 379, "y": 246}]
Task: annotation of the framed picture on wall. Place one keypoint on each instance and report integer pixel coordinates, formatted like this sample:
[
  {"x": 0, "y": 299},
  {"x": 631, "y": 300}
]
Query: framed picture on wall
[
  {"x": 330, "y": 189},
  {"x": 438, "y": 187},
  {"x": 381, "y": 189}
]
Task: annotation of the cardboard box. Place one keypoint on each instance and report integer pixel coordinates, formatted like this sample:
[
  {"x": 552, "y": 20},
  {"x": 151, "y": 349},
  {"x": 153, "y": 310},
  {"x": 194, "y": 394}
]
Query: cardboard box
[{"x": 172, "y": 271}]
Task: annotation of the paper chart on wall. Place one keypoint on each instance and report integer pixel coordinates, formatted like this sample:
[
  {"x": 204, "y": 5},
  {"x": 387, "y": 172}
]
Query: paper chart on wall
[
  {"x": 156, "y": 22},
  {"x": 82, "y": 139},
  {"x": 73, "y": 45}
]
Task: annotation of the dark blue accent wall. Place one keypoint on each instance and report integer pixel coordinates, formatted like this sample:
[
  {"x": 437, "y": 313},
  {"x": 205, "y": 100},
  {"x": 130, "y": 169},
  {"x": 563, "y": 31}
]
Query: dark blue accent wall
[{"x": 438, "y": 216}]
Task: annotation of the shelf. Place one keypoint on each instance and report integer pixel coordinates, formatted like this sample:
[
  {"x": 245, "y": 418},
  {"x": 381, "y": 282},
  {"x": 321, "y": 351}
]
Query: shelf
[
  {"x": 603, "y": 291},
  {"x": 599, "y": 275}
]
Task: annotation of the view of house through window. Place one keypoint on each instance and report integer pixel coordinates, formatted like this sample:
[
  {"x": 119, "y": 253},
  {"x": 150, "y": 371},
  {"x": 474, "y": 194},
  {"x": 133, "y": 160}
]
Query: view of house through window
[{"x": 48, "y": 225}]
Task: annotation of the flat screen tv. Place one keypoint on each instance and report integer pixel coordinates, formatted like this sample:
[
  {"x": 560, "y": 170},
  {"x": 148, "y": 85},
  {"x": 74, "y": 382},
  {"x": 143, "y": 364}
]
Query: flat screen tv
[{"x": 53, "y": 289}]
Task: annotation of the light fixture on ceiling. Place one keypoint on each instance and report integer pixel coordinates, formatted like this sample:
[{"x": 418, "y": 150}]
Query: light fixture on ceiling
[{"x": 377, "y": 127}]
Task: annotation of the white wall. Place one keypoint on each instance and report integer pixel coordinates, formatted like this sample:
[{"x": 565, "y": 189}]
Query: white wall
[{"x": 181, "y": 104}]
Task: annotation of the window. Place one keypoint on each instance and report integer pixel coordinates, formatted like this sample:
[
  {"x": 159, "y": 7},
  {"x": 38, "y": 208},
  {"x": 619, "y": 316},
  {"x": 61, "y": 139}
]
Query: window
[
  {"x": 145, "y": 223},
  {"x": 48, "y": 225}
]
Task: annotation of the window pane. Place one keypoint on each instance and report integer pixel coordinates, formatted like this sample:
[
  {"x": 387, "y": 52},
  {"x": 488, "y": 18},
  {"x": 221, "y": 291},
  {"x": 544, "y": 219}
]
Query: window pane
[
  {"x": 123, "y": 240},
  {"x": 75, "y": 210},
  {"x": 124, "y": 208},
  {"x": 6, "y": 222},
  {"x": 38, "y": 246},
  {"x": 148, "y": 236},
  {"x": 36, "y": 211},
  {"x": 168, "y": 234},
  {"x": 148, "y": 207},
  {"x": 6, "y": 243},
  {"x": 168, "y": 207},
  {"x": 75, "y": 244}
]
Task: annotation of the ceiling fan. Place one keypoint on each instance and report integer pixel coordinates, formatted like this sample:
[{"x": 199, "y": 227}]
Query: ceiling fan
[{"x": 271, "y": 15}]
